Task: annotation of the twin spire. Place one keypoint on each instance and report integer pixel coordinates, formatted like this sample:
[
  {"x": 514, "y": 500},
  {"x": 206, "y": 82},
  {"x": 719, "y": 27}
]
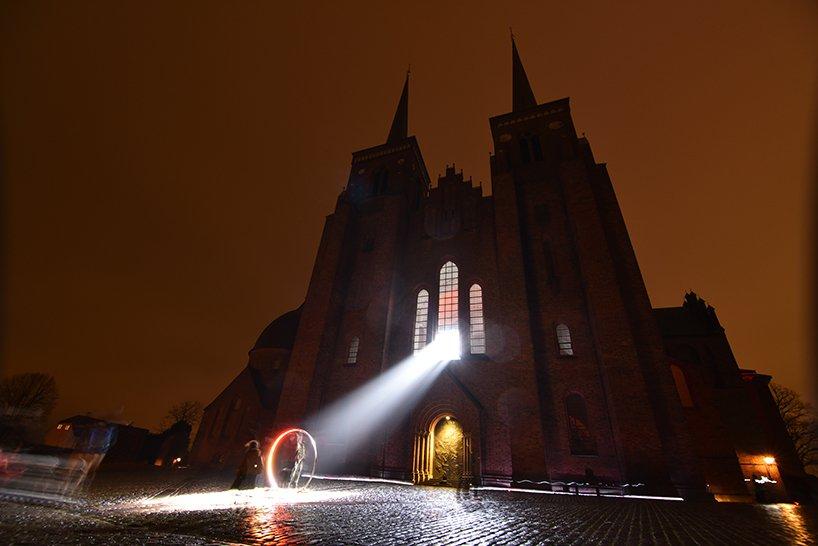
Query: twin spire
[
  {"x": 522, "y": 97},
  {"x": 400, "y": 124}
]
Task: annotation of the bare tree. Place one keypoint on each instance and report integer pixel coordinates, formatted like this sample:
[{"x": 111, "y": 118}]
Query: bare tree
[
  {"x": 801, "y": 422},
  {"x": 185, "y": 412},
  {"x": 28, "y": 396}
]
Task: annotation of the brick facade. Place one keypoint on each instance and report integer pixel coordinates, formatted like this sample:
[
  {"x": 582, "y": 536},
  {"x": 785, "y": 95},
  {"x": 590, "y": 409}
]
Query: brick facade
[{"x": 549, "y": 247}]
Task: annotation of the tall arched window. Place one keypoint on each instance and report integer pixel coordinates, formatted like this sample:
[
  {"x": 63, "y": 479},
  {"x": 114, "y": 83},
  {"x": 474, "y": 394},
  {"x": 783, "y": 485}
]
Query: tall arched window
[
  {"x": 580, "y": 438},
  {"x": 681, "y": 386},
  {"x": 352, "y": 355},
  {"x": 477, "y": 331},
  {"x": 564, "y": 340},
  {"x": 447, "y": 302},
  {"x": 420, "y": 333}
]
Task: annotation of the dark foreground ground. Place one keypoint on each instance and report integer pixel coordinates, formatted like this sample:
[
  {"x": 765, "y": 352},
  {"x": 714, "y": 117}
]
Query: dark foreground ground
[{"x": 181, "y": 507}]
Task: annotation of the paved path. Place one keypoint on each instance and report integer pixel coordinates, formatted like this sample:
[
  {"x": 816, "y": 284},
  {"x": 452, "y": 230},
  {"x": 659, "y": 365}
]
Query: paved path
[{"x": 178, "y": 508}]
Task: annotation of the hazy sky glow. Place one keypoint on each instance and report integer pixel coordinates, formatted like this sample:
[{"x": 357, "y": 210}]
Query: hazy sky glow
[{"x": 167, "y": 167}]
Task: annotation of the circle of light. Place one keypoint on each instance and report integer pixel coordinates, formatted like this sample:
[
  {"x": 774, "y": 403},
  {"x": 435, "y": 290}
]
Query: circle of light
[{"x": 271, "y": 458}]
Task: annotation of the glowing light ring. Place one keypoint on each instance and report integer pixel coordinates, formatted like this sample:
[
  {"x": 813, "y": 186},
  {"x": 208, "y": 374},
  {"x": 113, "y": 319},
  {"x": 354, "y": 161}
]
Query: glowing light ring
[{"x": 271, "y": 458}]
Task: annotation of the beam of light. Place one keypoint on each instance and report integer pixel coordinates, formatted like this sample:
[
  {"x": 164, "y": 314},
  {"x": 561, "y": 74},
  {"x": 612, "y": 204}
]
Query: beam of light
[
  {"x": 544, "y": 492},
  {"x": 357, "y": 420},
  {"x": 271, "y": 466},
  {"x": 228, "y": 500}
]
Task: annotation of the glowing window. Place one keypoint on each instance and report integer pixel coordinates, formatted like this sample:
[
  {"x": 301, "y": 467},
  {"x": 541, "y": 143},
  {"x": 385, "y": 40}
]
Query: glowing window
[
  {"x": 564, "y": 340},
  {"x": 352, "y": 355},
  {"x": 581, "y": 439},
  {"x": 447, "y": 302},
  {"x": 681, "y": 386},
  {"x": 477, "y": 331},
  {"x": 420, "y": 334}
]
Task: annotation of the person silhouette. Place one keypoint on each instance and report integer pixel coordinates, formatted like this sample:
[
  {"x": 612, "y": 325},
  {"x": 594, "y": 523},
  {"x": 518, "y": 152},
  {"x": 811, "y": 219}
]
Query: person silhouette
[
  {"x": 250, "y": 467},
  {"x": 298, "y": 465}
]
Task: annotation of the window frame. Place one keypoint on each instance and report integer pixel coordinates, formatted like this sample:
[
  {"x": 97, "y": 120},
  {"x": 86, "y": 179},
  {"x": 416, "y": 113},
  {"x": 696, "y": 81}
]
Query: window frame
[
  {"x": 565, "y": 349},
  {"x": 477, "y": 324},
  {"x": 417, "y": 344},
  {"x": 353, "y": 348}
]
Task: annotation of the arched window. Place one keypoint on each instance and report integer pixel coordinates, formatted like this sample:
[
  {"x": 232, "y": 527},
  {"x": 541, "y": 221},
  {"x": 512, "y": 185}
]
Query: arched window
[
  {"x": 352, "y": 355},
  {"x": 681, "y": 386},
  {"x": 564, "y": 340},
  {"x": 580, "y": 438},
  {"x": 420, "y": 333},
  {"x": 525, "y": 155},
  {"x": 447, "y": 302},
  {"x": 477, "y": 332}
]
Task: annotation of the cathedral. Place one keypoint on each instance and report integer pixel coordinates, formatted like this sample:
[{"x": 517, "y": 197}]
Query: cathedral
[{"x": 566, "y": 373}]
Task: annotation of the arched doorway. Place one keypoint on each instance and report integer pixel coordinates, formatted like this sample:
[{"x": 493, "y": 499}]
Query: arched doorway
[{"x": 442, "y": 453}]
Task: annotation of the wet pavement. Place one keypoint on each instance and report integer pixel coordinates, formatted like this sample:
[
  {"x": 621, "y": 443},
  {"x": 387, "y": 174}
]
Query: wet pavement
[{"x": 181, "y": 507}]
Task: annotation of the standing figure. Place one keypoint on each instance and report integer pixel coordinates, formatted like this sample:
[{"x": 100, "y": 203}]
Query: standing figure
[
  {"x": 298, "y": 465},
  {"x": 250, "y": 467}
]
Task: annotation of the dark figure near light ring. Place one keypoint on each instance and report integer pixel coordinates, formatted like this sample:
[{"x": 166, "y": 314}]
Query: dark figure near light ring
[
  {"x": 298, "y": 465},
  {"x": 250, "y": 467}
]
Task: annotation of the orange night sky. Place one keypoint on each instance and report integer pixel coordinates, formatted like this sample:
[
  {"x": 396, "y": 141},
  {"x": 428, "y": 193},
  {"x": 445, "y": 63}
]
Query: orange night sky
[{"x": 167, "y": 166}]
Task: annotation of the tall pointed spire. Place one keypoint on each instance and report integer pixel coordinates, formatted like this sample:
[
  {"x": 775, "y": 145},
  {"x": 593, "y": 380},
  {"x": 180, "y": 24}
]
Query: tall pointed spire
[
  {"x": 400, "y": 124},
  {"x": 522, "y": 96}
]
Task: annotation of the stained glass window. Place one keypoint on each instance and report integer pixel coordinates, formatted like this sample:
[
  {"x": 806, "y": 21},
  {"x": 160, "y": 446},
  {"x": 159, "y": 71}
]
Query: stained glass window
[
  {"x": 477, "y": 332},
  {"x": 447, "y": 302},
  {"x": 420, "y": 334}
]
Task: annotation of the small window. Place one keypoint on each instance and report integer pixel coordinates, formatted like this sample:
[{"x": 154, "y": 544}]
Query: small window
[
  {"x": 352, "y": 355},
  {"x": 535, "y": 147},
  {"x": 477, "y": 332},
  {"x": 381, "y": 182},
  {"x": 59, "y": 427},
  {"x": 525, "y": 155},
  {"x": 541, "y": 214},
  {"x": 564, "y": 340},
  {"x": 421, "y": 332},
  {"x": 681, "y": 386}
]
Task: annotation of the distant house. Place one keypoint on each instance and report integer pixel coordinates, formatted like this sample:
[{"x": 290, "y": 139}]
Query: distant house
[{"x": 120, "y": 443}]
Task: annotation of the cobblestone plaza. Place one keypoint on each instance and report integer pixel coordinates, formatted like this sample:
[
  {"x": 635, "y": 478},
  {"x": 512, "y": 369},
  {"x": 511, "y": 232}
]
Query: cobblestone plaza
[{"x": 184, "y": 508}]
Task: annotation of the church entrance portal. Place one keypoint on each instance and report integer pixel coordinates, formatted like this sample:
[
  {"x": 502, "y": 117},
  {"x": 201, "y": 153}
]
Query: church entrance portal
[{"x": 442, "y": 454}]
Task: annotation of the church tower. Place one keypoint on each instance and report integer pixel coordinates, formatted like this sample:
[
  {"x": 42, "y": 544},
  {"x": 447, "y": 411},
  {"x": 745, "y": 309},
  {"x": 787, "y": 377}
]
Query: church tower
[
  {"x": 597, "y": 352},
  {"x": 343, "y": 340}
]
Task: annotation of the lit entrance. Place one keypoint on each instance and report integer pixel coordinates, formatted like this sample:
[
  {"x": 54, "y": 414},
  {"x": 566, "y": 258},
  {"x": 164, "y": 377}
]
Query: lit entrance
[{"x": 442, "y": 455}]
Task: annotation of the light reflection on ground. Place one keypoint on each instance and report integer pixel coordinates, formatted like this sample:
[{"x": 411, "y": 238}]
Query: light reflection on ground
[
  {"x": 144, "y": 508},
  {"x": 225, "y": 500}
]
